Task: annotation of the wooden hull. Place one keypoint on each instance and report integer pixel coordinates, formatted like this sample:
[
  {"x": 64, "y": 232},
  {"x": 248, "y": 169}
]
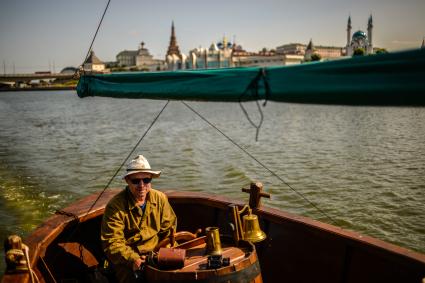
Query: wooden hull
[{"x": 297, "y": 249}]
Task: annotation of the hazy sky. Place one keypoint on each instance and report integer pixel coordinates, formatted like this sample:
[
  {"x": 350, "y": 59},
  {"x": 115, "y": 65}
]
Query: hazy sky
[{"x": 36, "y": 35}]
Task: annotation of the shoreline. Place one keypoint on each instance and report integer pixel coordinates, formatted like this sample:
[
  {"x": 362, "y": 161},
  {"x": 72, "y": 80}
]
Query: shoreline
[{"x": 38, "y": 88}]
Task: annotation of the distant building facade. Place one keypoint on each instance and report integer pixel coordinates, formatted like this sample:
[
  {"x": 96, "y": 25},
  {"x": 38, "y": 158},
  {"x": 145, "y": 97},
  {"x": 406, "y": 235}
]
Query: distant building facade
[
  {"x": 225, "y": 54},
  {"x": 140, "y": 59},
  {"x": 126, "y": 58},
  {"x": 217, "y": 56},
  {"x": 265, "y": 58},
  {"x": 93, "y": 64},
  {"x": 326, "y": 52},
  {"x": 291, "y": 49}
]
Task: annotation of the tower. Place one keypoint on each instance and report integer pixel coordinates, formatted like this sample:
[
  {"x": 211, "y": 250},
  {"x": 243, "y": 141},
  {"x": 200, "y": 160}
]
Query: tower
[
  {"x": 349, "y": 50},
  {"x": 173, "y": 48},
  {"x": 349, "y": 31},
  {"x": 175, "y": 60},
  {"x": 369, "y": 35}
]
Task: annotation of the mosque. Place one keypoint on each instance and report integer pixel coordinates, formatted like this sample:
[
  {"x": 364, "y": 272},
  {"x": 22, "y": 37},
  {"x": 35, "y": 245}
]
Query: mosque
[
  {"x": 359, "y": 39},
  {"x": 225, "y": 54}
]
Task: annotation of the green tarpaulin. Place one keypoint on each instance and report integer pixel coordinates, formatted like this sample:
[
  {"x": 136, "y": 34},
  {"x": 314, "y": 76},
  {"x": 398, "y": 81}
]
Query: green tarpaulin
[{"x": 394, "y": 78}]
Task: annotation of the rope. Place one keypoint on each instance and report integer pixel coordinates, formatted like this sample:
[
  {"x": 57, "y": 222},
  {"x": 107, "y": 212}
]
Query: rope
[
  {"x": 97, "y": 30},
  {"x": 94, "y": 37},
  {"x": 259, "y": 162},
  {"x": 257, "y": 127},
  {"x": 115, "y": 174},
  {"x": 128, "y": 156},
  {"x": 253, "y": 88}
]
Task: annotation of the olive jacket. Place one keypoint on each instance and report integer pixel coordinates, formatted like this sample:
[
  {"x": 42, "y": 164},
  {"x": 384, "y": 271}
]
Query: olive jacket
[{"x": 127, "y": 231}]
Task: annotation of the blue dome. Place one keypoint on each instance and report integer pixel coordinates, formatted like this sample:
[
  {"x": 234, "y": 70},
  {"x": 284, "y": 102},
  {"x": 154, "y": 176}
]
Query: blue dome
[{"x": 359, "y": 34}]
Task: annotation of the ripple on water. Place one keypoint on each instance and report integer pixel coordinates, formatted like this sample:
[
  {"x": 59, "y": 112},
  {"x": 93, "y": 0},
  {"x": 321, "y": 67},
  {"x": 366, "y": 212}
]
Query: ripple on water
[{"x": 363, "y": 166}]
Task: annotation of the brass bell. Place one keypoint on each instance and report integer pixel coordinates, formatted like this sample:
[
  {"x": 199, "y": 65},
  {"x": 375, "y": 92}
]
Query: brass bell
[{"x": 252, "y": 230}]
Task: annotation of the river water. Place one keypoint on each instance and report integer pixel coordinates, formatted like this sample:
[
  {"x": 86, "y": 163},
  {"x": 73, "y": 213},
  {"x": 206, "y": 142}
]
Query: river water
[{"x": 363, "y": 166}]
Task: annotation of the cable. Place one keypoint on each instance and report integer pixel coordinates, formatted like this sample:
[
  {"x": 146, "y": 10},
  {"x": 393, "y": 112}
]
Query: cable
[
  {"x": 253, "y": 88},
  {"x": 128, "y": 156},
  {"x": 98, "y": 27},
  {"x": 116, "y": 173},
  {"x": 259, "y": 162},
  {"x": 76, "y": 74}
]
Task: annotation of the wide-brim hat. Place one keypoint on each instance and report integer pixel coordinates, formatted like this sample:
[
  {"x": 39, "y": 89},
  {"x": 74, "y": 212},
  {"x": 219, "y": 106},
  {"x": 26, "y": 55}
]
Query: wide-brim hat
[{"x": 140, "y": 165}]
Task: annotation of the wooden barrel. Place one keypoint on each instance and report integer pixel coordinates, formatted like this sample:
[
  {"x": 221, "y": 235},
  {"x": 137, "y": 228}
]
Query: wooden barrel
[{"x": 244, "y": 266}]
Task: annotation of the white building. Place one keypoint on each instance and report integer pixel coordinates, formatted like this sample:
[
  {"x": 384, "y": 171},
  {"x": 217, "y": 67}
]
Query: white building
[
  {"x": 127, "y": 58},
  {"x": 93, "y": 64},
  {"x": 217, "y": 56},
  {"x": 140, "y": 59}
]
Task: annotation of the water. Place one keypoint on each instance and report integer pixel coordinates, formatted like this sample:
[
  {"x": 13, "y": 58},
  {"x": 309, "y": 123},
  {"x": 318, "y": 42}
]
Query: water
[{"x": 363, "y": 166}]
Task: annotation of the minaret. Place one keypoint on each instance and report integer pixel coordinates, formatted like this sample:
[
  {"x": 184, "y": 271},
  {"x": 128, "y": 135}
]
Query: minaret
[
  {"x": 423, "y": 43},
  {"x": 369, "y": 34},
  {"x": 348, "y": 48},
  {"x": 173, "y": 48},
  {"x": 349, "y": 31}
]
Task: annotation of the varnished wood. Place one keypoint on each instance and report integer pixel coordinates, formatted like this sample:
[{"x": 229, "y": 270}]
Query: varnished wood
[
  {"x": 195, "y": 266},
  {"x": 255, "y": 194},
  {"x": 294, "y": 244}
]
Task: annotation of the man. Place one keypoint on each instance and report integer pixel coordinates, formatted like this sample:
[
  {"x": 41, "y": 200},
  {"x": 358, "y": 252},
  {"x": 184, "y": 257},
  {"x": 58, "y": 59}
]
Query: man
[{"x": 135, "y": 220}]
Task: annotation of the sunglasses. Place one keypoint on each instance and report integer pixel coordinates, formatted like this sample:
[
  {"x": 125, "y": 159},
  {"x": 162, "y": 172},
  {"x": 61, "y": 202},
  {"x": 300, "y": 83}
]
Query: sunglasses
[{"x": 137, "y": 181}]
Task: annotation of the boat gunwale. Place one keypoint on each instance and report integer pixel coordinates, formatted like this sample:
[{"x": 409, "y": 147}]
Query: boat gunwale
[
  {"x": 277, "y": 216},
  {"x": 47, "y": 232}
]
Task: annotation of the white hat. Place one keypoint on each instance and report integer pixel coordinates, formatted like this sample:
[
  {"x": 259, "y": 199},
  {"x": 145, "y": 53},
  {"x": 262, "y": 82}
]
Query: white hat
[{"x": 138, "y": 165}]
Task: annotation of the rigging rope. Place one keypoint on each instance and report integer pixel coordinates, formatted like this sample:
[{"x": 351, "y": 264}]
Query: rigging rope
[
  {"x": 259, "y": 162},
  {"x": 91, "y": 44},
  {"x": 97, "y": 30},
  {"x": 257, "y": 127},
  {"x": 115, "y": 174},
  {"x": 128, "y": 156},
  {"x": 253, "y": 88}
]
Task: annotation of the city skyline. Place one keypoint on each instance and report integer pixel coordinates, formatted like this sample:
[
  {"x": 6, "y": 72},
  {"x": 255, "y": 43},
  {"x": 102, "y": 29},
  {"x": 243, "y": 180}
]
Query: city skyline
[{"x": 40, "y": 35}]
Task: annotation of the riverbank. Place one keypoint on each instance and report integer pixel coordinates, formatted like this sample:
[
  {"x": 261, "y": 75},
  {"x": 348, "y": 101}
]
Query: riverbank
[{"x": 38, "y": 88}]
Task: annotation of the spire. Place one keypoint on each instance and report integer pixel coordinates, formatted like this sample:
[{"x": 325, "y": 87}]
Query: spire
[
  {"x": 349, "y": 31},
  {"x": 310, "y": 45},
  {"x": 369, "y": 33},
  {"x": 173, "y": 33},
  {"x": 423, "y": 43},
  {"x": 370, "y": 22},
  {"x": 173, "y": 48}
]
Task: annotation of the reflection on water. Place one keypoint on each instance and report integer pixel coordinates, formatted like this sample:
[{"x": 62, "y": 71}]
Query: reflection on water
[{"x": 363, "y": 166}]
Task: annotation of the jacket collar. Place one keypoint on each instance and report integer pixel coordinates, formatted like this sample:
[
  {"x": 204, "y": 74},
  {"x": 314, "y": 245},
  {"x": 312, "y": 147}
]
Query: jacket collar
[{"x": 132, "y": 202}]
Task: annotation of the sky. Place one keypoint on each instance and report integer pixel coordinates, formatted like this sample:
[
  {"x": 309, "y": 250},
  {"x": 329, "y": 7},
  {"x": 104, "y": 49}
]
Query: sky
[{"x": 48, "y": 35}]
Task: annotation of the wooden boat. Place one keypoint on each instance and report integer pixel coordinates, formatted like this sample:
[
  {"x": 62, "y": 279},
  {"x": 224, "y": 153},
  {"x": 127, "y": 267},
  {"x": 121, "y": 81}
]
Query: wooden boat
[{"x": 297, "y": 249}]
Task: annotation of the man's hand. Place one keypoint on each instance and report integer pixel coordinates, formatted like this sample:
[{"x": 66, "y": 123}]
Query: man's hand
[{"x": 139, "y": 262}]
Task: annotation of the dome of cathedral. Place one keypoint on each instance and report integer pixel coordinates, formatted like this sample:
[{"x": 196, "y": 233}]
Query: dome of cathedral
[{"x": 359, "y": 34}]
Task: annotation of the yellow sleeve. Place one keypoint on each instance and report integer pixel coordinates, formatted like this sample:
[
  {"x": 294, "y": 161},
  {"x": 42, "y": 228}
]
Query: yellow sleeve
[{"x": 112, "y": 236}]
